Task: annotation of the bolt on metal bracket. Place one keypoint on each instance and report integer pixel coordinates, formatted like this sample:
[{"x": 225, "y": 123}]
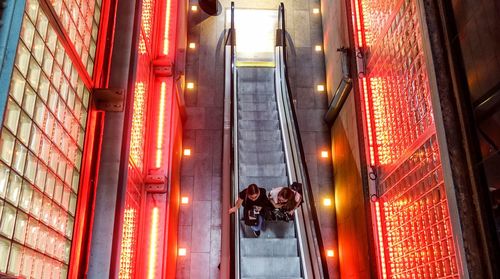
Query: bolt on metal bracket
[{"x": 109, "y": 99}]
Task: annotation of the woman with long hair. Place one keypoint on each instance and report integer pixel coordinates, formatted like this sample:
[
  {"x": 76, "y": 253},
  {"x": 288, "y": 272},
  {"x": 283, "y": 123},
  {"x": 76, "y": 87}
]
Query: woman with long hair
[{"x": 285, "y": 198}]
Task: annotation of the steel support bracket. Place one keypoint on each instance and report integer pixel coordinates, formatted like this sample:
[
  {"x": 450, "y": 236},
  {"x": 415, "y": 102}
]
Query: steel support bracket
[{"x": 109, "y": 99}]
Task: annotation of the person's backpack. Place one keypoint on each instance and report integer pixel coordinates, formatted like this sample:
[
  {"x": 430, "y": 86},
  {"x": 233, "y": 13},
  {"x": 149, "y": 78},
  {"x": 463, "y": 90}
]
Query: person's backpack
[{"x": 297, "y": 187}]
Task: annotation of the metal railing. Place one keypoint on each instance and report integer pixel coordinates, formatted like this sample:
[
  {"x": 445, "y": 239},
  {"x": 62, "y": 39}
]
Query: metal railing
[{"x": 306, "y": 219}]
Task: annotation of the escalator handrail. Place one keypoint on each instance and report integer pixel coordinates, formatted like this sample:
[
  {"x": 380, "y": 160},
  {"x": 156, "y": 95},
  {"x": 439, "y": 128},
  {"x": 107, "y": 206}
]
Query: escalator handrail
[
  {"x": 235, "y": 228},
  {"x": 305, "y": 173}
]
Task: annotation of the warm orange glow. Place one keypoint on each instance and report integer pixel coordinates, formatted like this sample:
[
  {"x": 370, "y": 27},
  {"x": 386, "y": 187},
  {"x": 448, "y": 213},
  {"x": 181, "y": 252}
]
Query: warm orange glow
[
  {"x": 330, "y": 253},
  {"x": 317, "y": 48},
  {"x": 166, "y": 40},
  {"x": 182, "y": 252},
  {"x": 327, "y": 202},
  {"x": 161, "y": 116},
  {"x": 358, "y": 23},
  {"x": 190, "y": 85},
  {"x": 194, "y": 8},
  {"x": 153, "y": 243},
  {"x": 315, "y": 11},
  {"x": 192, "y": 45},
  {"x": 187, "y": 152},
  {"x": 380, "y": 239},
  {"x": 320, "y": 88},
  {"x": 184, "y": 200},
  {"x": 324, "y": 154},
  {"x": 128, "y": 247}
]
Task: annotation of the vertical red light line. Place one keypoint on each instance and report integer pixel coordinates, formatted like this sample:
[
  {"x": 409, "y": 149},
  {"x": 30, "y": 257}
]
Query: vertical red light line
[
  {"x": 153, "y": 243},
  {"x": 166, "y": 41},
  {"x": 161, "y": 123},
  {"x": 368, "y": 121},
  {"x": 380, "y": 239},
  {"x": 359, "y": 32}
]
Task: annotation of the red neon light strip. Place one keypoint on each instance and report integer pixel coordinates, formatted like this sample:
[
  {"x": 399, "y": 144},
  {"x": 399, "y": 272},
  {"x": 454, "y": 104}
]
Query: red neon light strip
[
  {"x": 166, "y": 41},
  {"x": 153, "y": 243},
  {"x": 381, "y": 241},
  {"x": 161, "y": 116},
  {"x": 358, "y": 23}
]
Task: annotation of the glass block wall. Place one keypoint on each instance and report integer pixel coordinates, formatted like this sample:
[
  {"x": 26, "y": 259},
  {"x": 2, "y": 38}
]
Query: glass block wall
[
  {"x": 42, "y": 137},
  {"x": 414, "y": 234}
]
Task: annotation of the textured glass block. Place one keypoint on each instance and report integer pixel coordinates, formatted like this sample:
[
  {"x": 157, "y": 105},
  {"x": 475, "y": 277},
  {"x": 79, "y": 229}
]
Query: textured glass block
[
  {"x": 36, "y": 135},
  {"x": 29, "y": 101},
  {"x": 7, "y": 141},
  {"x": 19, "y": 158},
  {"x": 32, "y": 9},
  {"x": 27, "y": 32},
  {"x": 47, "y": 269},
  {"x": 48, "y": 62},
  {"x": 21, "y": 227},
  {"x": 30, "y": 171},
  {"x": 17, "y": 85},
  {"x": 38, "y": 265},
  {"x": 26, "y": 194},
  {"x": 75, "y": 181},
  {"x": 8, "y": 220},
  {"x": 41, "y": 174},
  {"x": 49, "y": 185},
  {"x": 72, "y": 204},
  {"x": 34, "y": 73},
  {"x": 58, "y": 192},
  {"x": 46, "y": 210},
  {"x": 41, "y": 25},
  {"x": 4, "y": 254},
  {"x": 38, "y": 48},
  {"x": 69, "y": 227},
  {"x": 4, "y": 179},
  {"x": 40, "y": 113},
  {"x": 36, "y": 204},
  {"x": 22, "y": 59},
  {"x": 12, "y": 113},
  {"x": 16, "y": 254},
  {"x": 24, "y": 129},
  {"x": 32, "y": 234},
  {"x": 27, "y": 263},
  {"x": 65, "y": 198},
  {"x": 14, "y": 189},
  {"x": 52, "y": 103},
  {"x": 42, "y": 239}
]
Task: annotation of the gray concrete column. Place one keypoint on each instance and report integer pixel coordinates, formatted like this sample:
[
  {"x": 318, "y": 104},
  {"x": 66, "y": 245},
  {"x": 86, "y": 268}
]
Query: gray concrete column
[{"x": 106, "y": 232}]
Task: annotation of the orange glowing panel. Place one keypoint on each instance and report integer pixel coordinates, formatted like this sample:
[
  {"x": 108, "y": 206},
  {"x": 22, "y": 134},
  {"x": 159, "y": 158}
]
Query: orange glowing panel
[
  {"x": 317, "y": 48},
  {"x": 161, "y": 116},
  {"x": 324, "y": 154},
  {"x": 138, "y": 118},
  {"x": 153, "y": 243},
  {"x": 194, "y": 8},
  {"x": 190, "y": 85},
  {"x": 182, "y": 252},
  {"x": 330, "y": 253},
  {"x": 320, "y": 88},
  {"x": 187, "y": 152},
  {"x": 184, "y": 200},
  {"x": 192, "y": 45},
  {"x": 315, "y": 11},
  {"x": 327, "y": 202},
  {"x": 166, "y": 41}
]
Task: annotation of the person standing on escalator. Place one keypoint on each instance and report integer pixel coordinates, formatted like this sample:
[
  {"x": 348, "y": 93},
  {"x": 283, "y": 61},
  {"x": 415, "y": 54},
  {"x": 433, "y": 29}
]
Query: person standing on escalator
[{"x": 255, "y": 204}]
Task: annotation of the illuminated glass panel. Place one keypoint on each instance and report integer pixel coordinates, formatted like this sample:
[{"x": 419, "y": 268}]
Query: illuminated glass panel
[
  {"x": 413, "y": 223},
  {"x": 128, "y": 243},
  {"x": 41, "y": 146},
  {"x": 81, "y": 21},
  {"x": 138, "y": 123}
]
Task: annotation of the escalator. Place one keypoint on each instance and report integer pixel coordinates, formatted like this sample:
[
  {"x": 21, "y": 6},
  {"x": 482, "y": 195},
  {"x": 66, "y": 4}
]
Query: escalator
[{"x": 265, "y": 149}]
